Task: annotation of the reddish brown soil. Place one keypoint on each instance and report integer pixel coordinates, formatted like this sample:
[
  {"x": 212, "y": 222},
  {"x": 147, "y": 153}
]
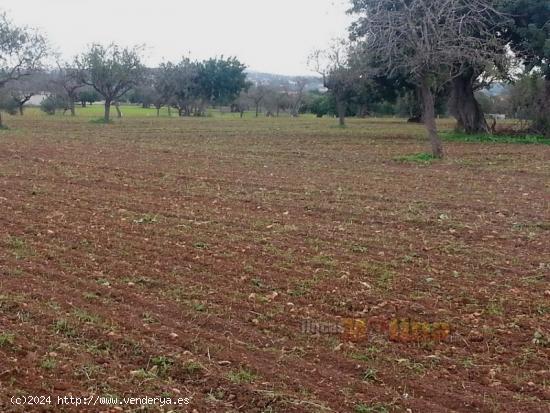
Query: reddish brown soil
[{"x": 124, "y": 243}]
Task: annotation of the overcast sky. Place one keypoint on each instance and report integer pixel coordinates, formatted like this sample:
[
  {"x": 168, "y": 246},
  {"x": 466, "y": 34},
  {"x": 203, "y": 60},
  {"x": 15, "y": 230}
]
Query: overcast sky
[{"x": 268, "y": 35}]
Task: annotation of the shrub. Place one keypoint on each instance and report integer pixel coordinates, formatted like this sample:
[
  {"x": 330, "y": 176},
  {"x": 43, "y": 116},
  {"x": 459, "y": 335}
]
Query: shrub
[
  {"x": 52, "y": 103},
  {"x": 8, "y": 104}
]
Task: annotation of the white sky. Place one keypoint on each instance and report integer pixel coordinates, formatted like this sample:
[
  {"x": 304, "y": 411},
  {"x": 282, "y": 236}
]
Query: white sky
[{"x": 268, "y": 35}]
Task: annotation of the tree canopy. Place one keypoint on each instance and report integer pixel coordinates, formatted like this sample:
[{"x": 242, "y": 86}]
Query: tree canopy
[
  {"x": 111, "y": 70},
  {"x": 22, "y": 51},
  {"x": 221, "y": 80},
  {"x": 428, "y": 41}
]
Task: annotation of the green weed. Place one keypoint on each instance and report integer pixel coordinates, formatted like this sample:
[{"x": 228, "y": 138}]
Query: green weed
[
  {"x": 486, "y": 138},
  {"x": 423, "y": 158},
  {"x": 241, "y": 376}
]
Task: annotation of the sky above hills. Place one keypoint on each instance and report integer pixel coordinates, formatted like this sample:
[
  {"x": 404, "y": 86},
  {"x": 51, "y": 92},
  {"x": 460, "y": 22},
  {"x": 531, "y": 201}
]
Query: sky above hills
[{"x": 267, "y": 35}]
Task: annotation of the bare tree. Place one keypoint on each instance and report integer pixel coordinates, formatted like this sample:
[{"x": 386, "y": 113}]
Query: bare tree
[
  {"x": 281, "y": 100},
  {"x": 21, "y": 96},
  {"x": 241, "y": 103},
  {"x": 112, "y": 71},
  {"x": 275, "y": 101},
  {"x": 21, "y": 52},
  {"x": 257, "y": 94},
  {"x": 164, "y": 86},
  {"x": 341, "y": 74},
  {"x": 22, "y": 90},
  {"x": 68, "y": 82},
  {"x": 296, "y": 96},
  {"x": 431, "y": 41}
]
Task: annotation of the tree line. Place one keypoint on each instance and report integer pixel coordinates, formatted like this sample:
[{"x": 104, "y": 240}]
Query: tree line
[
  {"x": 109, "y": 73},
  {"x": 418, "y": 57},
  {"x": 114, "y": 74}
]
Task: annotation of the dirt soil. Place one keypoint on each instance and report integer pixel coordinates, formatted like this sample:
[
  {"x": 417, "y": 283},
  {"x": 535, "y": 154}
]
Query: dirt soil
[{"x": 182, "y": 258}]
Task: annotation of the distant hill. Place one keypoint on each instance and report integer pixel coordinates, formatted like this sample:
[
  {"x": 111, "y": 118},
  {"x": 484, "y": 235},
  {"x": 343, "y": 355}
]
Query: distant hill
[{"x": 284, "y": 81}]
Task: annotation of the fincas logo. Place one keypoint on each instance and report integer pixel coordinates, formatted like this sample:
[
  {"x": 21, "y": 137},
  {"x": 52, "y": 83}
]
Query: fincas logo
[{"x": 398, "y": 330}]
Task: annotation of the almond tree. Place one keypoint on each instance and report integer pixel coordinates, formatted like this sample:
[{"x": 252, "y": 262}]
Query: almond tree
[
  {"x": 257, "y": 94},
  {"x": 164, "y": 86},
  {"x": 338, "y": 65},
  {"x": 22, "y": 51},
  {"x": 68, "y": 82},
  {"x": 429, "y": 41},
  {"x": 112, "y": 71},
  {"x": 297, "y": 95},
  {"x": 184, "y": 80},
  {"x": 22, "y": 90}
]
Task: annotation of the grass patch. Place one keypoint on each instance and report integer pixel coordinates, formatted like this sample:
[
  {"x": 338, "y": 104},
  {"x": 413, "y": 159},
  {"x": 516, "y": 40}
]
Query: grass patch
[
  {"x": 545, "y": 226},
  {"x": 369, "y": 375},
  {"x": 146, "y": 219},
  {"x": 63, "y": 327},
  {"x": 88, "y": 371},
  {"x": 373, "y": 408},
  {"x": 192, "y": 368},
  {"x": 48, "y": 363},
  {"x": 369, "y": 354},
  {"x": 324, "y": 261},
  {"x": 161, "y": 365},
  {"x": 148, "y": 318},
  {"x": 85, "y": 317},
  {"x": 417, "y": 368},
  {"x": 19, "y": 247},
  {"x": 486, "y": 138},
  {"x": 90, "y": 296},
  {"x": 423, "y": 158},
  {"x": 301, "y": 288},
  {"x": 241, "y": 376},
  {"x": 381, "y": 274},
  {"x": 541, "y": 339},
  {"x": 198, "y": 306},
  {"x": 359, "y": 249},
  {"x": 7, "y": 340},
  {"x": 98, "y": 348},
  {"x": 495, "y": 308}
]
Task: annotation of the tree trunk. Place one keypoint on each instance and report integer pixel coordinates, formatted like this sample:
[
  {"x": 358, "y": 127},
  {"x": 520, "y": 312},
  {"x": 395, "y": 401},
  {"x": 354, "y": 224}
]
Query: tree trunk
[
  {"x": 464, "y": 106},
  {"x": 541, "y": 123},
  {"x": 363, "y": 111},
  {"x": 257, "y": 109},
  {"x": 83, "y": 104},
  {"x": 107, "y": 117},
  {"x": 546, "y": 107},
  {"x": 428, "y": 114},
  {"x": 202, "y": 108},
  {"x": 21, "y": 109},
  {"x": 158, "y": 112},
  {"x": 1, "y": 121},
  {"x": 341, "y": 108},
  {"x": 118, "y": 112},
  {"x": 71, "y": 106}
]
